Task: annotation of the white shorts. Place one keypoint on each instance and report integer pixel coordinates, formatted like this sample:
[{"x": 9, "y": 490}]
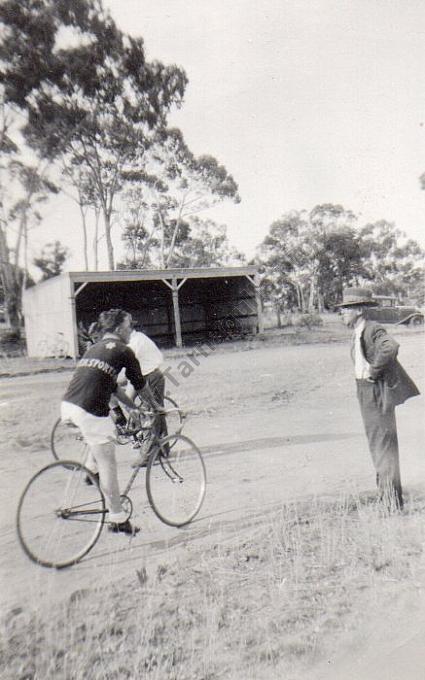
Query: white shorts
[{"x": 95, "y": 429}]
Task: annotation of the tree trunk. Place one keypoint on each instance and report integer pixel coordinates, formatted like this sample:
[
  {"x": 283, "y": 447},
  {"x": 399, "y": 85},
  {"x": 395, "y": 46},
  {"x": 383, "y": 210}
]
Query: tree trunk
[
  {"x": 301, "y": 298},
  {"x": 85, "y": 244},
  {"x": 25, "y": 276},
  {"x": 147, "y": 246},
  {"x": 134, "y": 251},
  {"x": 11, "y": 287},
  {"x": 175, "y": 232},
  {"x": 12, "y": 306},
  {"x": 162, "y": 258},
  {"x": 173, "y": 243},
  {"x": 109, "y": 246},
  {"x": 278, "y": 316},
  {"x": 312, "y": 294},
  {"x": 96, "y": 239}
]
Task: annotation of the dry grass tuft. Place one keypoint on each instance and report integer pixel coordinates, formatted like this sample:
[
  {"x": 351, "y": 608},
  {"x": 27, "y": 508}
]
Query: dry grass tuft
[{"x": 267, "y": 606}]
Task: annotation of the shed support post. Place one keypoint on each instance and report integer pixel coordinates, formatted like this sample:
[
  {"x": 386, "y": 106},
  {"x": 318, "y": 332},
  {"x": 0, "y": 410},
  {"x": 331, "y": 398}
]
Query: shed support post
[
  {"x": 72, "y": 299},
  {"x": 177, "y": 321},
  {"x": 255, "y": 280},
  {"x": 259, "y": 303},
  {"x": 174, "y": 286}
]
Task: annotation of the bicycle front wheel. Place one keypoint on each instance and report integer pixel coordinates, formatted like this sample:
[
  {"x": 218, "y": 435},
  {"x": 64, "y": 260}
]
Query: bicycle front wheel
[
  {"x": 176, "y": 480},
  {"x": 60, "y": 516},
  {"x": 66, "y": 441}
]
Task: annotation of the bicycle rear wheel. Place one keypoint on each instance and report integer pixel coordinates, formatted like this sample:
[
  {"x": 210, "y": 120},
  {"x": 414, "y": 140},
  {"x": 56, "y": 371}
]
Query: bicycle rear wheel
[
  {"x": 66, "y": 441},
  {"x": 60, "y": 517},
  {"x": 176, "y": 480},
  {"x": 174, "y": 419}
]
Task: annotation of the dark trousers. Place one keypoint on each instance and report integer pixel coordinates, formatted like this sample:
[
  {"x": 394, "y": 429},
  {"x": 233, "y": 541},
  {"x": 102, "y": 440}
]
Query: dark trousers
[
  {"x": 156, "y": 382},
  {"x": 381, "y": 432}
]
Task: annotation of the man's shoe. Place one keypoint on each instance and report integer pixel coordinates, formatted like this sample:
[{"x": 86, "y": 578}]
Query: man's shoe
[
  {"x": 88, "y": 479},
  {"x": 124, "y": 528}
]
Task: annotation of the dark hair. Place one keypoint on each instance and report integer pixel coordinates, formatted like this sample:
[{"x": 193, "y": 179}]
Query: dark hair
[{"x": 110, "y": 320}]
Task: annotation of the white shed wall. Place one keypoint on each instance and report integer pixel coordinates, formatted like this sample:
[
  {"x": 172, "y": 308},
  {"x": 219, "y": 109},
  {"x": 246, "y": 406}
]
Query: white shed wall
[{"x": 48, "y": 318}]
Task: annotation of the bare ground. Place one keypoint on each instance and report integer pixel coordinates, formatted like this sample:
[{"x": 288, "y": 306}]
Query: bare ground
[{"x": 278, "y": 425}]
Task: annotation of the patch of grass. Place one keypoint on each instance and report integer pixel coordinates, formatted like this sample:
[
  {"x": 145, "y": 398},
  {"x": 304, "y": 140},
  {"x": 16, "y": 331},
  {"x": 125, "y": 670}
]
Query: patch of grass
[{"x": 269, "y": 605}]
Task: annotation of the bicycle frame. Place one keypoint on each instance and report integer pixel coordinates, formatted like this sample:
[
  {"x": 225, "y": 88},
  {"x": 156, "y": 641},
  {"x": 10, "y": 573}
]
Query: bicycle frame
[
  {"x": 68, "y": 513},
  {"x": 149, "y": 443}
]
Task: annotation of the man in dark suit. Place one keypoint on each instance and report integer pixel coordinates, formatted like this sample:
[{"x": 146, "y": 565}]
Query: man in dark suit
[{"x": 382, "y": 384}]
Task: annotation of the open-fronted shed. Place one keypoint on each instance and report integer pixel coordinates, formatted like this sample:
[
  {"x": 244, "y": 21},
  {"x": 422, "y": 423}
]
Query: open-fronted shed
[{"x": 173, "y": 306}]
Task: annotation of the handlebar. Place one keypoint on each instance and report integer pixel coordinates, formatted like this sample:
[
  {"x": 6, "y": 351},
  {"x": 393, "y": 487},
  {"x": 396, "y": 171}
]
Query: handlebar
[{"x": 145, "y": 419}]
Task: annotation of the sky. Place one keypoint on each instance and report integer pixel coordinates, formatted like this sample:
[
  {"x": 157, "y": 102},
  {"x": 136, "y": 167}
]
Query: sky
[{"x": 303, "y": 101}]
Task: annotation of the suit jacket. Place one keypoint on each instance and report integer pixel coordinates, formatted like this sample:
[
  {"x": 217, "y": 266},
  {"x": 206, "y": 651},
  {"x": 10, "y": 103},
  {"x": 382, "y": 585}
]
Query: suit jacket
[{"x": 380, "y": 351}]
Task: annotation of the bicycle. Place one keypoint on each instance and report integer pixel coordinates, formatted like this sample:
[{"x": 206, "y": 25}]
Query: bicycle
[
  {"x": 60, "y": 517},
  {"x": 66, "y": 439}
]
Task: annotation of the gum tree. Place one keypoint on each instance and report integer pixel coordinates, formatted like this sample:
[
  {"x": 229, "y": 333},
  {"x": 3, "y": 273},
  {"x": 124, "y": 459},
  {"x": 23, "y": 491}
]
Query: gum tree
[
  {"x": 314, "y": 253},
  {"x": 202, "y": 243},
  {"x": 22, "y": 189},
  {"x": 394, "y": 263},
  {"x": 90, "y": 96},
  {"x": 189, "y": 185}
]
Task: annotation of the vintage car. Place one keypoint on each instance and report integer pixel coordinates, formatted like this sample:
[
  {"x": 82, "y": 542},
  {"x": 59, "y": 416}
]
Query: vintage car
[{"x": 387, "y": 310}]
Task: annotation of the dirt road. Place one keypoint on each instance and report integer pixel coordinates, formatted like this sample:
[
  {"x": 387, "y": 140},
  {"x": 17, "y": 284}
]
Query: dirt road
[{"x": 275, "y": 424}]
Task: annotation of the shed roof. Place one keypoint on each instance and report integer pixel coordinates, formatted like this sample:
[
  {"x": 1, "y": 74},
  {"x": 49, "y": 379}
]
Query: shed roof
[
  {"x": 155, "y": 274},
  {"x": 150, "y": 274}
]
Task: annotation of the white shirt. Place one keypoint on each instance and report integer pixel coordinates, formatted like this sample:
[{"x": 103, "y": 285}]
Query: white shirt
[
  {"x": 147, "y": 353},
  {"x": 361, "y": 366}
]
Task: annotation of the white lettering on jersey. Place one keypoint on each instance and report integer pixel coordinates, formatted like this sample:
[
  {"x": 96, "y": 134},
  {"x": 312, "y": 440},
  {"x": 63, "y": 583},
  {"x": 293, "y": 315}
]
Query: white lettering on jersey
[{"x": 99, "y": 364}]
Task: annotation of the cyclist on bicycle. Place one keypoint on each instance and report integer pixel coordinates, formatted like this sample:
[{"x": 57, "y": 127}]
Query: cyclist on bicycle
[
  {"x": 86, "y": 404},
  {"x": 150, "y": 359}
]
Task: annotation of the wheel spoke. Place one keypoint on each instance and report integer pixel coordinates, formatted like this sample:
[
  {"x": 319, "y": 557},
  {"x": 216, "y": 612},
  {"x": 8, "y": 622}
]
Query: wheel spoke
[
  {"x": 67, "y": 442},
  {"x": 60, "y": 517},
  {"x": 173, "y": 418},
  {"x": 176, "y": 480}
]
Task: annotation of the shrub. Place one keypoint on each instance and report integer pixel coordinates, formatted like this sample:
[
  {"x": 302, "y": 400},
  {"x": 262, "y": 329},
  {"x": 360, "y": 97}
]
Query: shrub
[
  {"x": 10, "y": 337},
  {"x": 11, "y": 343},
  {"x": 308, "y": 320}
]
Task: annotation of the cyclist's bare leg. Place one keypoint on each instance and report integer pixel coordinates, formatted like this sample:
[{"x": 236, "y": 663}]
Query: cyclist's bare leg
[{"x": 104, "y": 455}]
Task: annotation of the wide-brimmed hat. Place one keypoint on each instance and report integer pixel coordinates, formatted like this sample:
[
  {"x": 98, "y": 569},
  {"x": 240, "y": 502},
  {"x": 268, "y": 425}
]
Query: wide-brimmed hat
[{"x": 356, "y": 296}]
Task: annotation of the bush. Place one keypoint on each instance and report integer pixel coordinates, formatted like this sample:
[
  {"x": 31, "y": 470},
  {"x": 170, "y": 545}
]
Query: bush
[
  {"x": 11, "y": 343},
  {"x": 308, "y": 320},
  {"x": 10, "y": 337}
]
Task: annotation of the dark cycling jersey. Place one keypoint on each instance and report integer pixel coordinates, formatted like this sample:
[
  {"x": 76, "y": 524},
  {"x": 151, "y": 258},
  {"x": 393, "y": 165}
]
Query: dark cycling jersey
[{"x": 95, "y": 378}]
